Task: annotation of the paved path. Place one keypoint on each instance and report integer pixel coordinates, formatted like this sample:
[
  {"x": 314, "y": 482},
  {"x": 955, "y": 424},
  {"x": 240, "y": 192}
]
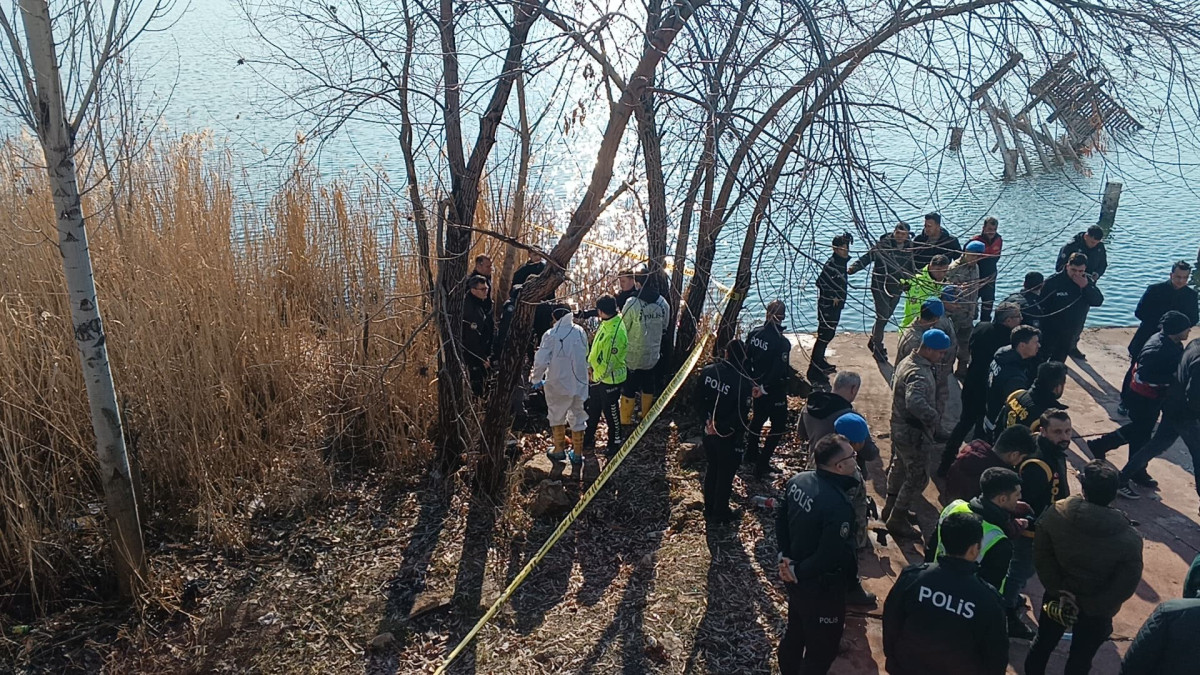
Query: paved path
[{"x": 1168, "y": 521}]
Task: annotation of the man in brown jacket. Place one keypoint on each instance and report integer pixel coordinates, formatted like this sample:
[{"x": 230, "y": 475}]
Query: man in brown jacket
[{"x": 1088, "y": 557}]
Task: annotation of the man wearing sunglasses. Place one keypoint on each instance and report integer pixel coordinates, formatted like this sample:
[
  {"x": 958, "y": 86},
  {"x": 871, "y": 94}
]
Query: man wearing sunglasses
[{"x": 817, "y": 561}]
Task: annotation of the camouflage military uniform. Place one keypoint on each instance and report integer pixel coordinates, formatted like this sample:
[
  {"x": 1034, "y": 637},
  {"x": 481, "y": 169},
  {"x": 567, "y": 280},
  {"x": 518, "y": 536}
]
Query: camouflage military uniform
[
  {"x": 962, "y": 312},
  {"x": 910, "y": 340},
  {"x": 914, "y": 417}
]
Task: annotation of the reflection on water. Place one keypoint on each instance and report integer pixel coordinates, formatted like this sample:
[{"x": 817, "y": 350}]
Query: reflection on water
[{"x": 193, "y": 73}]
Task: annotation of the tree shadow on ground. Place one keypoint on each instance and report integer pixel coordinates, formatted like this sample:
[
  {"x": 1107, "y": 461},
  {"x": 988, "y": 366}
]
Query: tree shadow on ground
[
  {"x": 547, "y": 584},
  {"x": 729, "y": 638},
  {"x": 408, "y": 582},
  {"x": 633, "y": 517},
  {"x": 469, "y": 581},
  {"x": 1099, "y": 389}
]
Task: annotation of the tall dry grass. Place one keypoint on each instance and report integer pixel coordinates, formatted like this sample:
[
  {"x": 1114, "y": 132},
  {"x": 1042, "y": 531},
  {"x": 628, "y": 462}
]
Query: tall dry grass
[{"x": 249, "y": 348}]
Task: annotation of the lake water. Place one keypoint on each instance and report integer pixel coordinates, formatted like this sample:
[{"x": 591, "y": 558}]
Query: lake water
[{"x": 193, "y": 75}]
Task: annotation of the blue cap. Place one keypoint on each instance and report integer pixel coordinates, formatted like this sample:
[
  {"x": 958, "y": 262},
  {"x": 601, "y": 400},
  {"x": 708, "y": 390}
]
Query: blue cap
[
  {"x": 976, "y": 247},
  {"x": 853, "y": 427},
  {"x": 935, "y": 339},
  {"x": 950, "y": 294},
  {"x": 934, "y": 307}
]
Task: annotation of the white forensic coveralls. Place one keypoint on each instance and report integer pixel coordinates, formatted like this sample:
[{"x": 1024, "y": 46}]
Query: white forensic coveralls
[{"x": 561, "y": 360}]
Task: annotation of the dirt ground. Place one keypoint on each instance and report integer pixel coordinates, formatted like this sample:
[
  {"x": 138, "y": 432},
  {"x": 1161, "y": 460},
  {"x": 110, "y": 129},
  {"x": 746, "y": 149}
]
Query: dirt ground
[{"x": 391, "y": 572}]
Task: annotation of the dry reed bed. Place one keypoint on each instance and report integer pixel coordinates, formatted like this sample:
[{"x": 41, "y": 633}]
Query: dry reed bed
[{"x": 237, "y": 344}]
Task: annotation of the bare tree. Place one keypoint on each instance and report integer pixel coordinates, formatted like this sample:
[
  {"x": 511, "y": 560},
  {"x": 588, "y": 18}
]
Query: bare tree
[{"x": 56, "y": 109}]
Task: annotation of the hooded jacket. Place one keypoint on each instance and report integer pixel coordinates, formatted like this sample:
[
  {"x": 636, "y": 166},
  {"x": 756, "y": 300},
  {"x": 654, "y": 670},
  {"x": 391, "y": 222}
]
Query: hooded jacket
[
  {"x": 1097, "y": 257},
  {"x": 1091, "y": 551},
  {"x": 1156, "y": 301},
  {"x": 645, "y": 318},
  {"x": 820, "y": 411},
  {"x": 607, "y": 355},
  {"x": 1183, "y": 399},
  {"x": 990, "y": 258},
  {"x": 893, "y": 263},
  {"x": 973, "y": 459},
  {"x": 1156, "y": 367},
  {"x": 561, "y": 359},
  {"x": 942, "y": 619},
  {"x": 920, "y": 288},
  {"x": 993, "y": 566},
  {"x": 768, "y": 353},
  {"x": 924, "y": 250},
  {"x": 1007, "y": 372},
  {"x": 1025, "y": 406}
]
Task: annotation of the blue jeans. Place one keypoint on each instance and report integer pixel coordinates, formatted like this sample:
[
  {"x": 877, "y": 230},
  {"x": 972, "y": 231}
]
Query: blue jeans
[
  {"x": 1020, "y": 569},
  {"x": 1169, "y": 430}
]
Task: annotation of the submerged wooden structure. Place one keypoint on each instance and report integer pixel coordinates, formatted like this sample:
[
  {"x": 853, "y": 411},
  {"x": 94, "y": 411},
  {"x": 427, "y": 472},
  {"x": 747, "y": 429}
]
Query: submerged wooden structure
[{"x": 1079, "y": 104}]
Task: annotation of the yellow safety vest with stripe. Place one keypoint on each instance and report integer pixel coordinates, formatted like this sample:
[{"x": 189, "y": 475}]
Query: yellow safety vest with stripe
[{"x": 991, "y": 533}]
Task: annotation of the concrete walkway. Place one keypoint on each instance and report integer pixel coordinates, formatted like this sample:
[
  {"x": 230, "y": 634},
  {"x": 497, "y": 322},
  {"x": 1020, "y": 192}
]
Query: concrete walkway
[{"x": 1168, "y": 520}]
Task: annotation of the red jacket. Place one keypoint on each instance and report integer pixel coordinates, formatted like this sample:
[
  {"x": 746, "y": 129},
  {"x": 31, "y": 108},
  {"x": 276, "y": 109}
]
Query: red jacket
[
  {"x": 973, "y": 459},
  {"x": 991, "y": 256}
]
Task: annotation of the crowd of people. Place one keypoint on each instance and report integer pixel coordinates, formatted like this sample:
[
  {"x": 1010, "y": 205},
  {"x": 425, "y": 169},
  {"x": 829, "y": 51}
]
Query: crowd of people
[{"x": 1008, "y": 513}]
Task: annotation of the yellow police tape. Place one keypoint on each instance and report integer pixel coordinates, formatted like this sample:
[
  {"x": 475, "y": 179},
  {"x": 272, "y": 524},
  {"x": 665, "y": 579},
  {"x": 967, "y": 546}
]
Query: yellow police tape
[{"x": 668, "y": 394}]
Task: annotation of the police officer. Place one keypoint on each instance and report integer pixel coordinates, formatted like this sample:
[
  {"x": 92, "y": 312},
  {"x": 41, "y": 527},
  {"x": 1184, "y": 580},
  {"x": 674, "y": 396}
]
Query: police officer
[
  {"x": 815, "y": 531},
  {"x": 854, "y": 428},
  {"x": 831, "y": 300},
  {"x": 725, "y": 394},
  {"x": 478, "y": 331},
  {"x": 998, "y": 504},
  {"x": 768, "y": 353},
  {"x": 915, "y": 416},
  {"x": 941, "y": 618}
]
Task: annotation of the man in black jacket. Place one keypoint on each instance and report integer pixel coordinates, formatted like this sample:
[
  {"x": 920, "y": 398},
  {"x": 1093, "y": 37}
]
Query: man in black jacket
[
  {"x": 1091, "y": 244},
  {"x": 725, "y": 394},
  {"x": 1066, "y": 298},
  {"x": 999, "y": 505},
  {"x": 941, "y": 618},
  {"x": 1012, "y": 369},
  {"x": 893, "y": 260},
  {"x": 768, "y": 354},
  {"x": 478, "y": 331},
  {"x": 1172, "y": 294},
  {"x": 986, "y": 339},
  {"x": 831, "y": 299},
  {"x": 1181, "y": 410},
  {"x": 814, "y": 528},
  {"x": 1043, "y": 482},
  {"x": 1025, "y": 407},
  {"x": 1029, "y": 298},
  {"x": 934, "y": 240},
  {"x": 1151, "y": 378}
]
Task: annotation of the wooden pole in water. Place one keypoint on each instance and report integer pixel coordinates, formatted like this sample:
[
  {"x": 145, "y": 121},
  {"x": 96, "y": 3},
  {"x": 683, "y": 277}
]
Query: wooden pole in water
[
  {"x": 1108, "y": 207},
  {"x": 956, "y": 134},
  {"x": 1058, "y": 155},
  {"x": 1010, "y": 159},
  {"x": 1012, "y": 127}
]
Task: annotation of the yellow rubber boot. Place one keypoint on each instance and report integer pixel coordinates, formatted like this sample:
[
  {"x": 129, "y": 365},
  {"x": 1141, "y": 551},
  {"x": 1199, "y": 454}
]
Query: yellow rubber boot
[
  {"x": 559, "y": 434},
  {"x": 577, "y": 443},
  {"x": 647, "y": 401},
  {"x": 627, "y": 403}
]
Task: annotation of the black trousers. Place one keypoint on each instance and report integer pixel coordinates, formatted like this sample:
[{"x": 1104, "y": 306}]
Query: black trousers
[
  {"x": 1058, "y": 339},
  {"x": 477, "y": 375},
  {"x": 974, "y": 409},
  {"x": 886, "y": 300},
  {"x": 723, "y": 460},
  {"x": 641, "y": 381},
  {"x": 771, "y": 406},
  {"x": 816, "y": 620},
  {"x": 1088, "y": 635},
  {"x": 603, "y": 399},
  {"x": 987, "y": 297},
  {"x": 828, "y": 317},
  {"x": 1143, "y": 415}
]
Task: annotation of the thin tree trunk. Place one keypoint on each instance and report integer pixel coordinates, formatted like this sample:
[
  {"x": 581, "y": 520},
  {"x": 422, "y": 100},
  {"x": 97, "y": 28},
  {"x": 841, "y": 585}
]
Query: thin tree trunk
[
  {"x": 656, "y": 189},
  {"x": 516, "y": 222},
  {"x": 58, "y": 146},
  {"x": 420, "y": 214}
]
